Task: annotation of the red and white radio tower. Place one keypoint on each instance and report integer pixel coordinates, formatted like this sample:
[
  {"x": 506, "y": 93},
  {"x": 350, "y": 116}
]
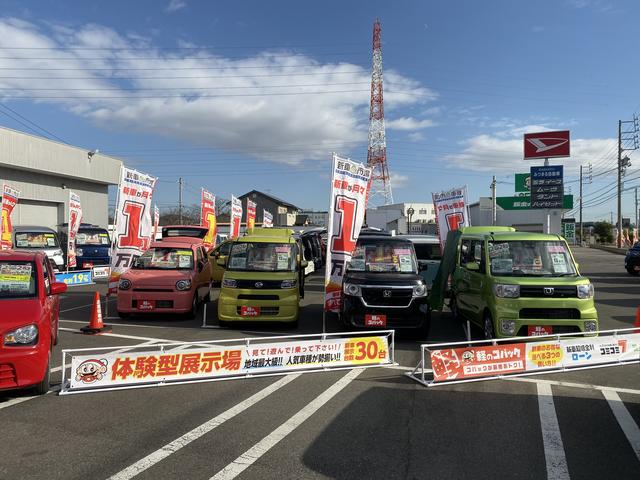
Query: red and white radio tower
[{"x": 377, "y": 155}]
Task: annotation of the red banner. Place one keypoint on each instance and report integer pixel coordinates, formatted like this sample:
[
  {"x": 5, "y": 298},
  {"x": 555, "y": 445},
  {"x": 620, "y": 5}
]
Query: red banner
[
  {"x": 251, "y": 214},
  {"x": 9, "y": 201},
  {"x": 208, "y": 218},
  {"x": 75, "y": 217},
  {"x": 236, "y": 217},
  {"x": 470, "y": 362}
]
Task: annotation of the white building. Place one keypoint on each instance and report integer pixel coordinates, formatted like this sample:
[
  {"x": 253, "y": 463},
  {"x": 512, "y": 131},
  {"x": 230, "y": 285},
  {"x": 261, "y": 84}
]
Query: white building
[{"x": 396, "y": 218}]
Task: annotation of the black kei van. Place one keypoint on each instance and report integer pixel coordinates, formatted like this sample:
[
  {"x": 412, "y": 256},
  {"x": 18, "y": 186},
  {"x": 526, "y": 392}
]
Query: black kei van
[{"x": 383, "y": 288}]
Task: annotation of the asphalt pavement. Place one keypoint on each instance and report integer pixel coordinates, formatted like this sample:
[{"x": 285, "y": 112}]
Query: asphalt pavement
[{"x": 362, "y": 423}]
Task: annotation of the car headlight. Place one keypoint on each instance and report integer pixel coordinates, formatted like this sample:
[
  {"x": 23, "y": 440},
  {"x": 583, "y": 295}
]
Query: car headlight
[
  {"x": 124, "y": 284},
  {"x": 183, "y": 285},
  {"x": 352, "y": 289},
  {"x": 590, "y": 326},
  {"x": 419, "y": 290},
  {"x": 22, "y": 336},
  {"x": 506, "y": 291},
  {"x": 508, "y": 327},
  {"x": 79, "y": 252},
  {"x": 585, "y": 291},
  {"x": 289, "y": 283},
  {"x": 229, "y": 283}
]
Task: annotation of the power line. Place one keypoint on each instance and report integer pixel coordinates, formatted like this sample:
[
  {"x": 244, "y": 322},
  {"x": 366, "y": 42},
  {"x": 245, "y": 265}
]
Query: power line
[{"x": 42, "y": 129}]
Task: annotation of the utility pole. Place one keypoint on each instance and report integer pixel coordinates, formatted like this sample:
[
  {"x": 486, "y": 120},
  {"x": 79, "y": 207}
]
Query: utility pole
[
  {"x": 494, "y": 205},
  {"x": 180, "y": 185},
  {"x": 581, "y": 229},
  {"x": 631, "y": 138}
]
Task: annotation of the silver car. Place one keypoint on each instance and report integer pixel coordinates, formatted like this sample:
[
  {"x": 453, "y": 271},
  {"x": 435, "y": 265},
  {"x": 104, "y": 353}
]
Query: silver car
[{"x": 29, "y": 237}]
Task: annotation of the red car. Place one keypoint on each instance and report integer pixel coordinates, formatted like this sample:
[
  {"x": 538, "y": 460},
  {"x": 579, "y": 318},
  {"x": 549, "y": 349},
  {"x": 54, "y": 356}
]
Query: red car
[
  {"x": 173, "y": 276},
  {"x": 29, "y": 309}
]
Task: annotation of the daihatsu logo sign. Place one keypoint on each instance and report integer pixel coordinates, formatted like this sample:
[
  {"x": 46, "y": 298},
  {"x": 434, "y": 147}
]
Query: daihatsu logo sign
[{"x": 546, "y": 145}]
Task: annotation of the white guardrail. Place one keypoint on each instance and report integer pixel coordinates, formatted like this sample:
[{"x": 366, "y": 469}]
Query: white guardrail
[
  {"x": 461, "y": 362},
  {"x": 147, "y": 365}
]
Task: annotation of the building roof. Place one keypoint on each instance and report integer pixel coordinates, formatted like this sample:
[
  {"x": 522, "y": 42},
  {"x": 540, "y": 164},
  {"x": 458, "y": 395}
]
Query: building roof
[{"x": 271, "y": 197}]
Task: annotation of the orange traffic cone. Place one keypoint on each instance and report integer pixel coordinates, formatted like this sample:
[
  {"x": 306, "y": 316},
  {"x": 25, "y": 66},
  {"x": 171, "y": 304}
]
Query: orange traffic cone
[
  {"x": 95, "y": 325},
  {"x": 637, "y": 325}
]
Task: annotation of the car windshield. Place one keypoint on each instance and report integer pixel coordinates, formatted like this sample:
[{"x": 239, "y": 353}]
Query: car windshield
[
  {"x": 33, "y": 240},
  {"x": 17, "y": 279},
  {"x": 93, "y": 237},
  {"x": 165, "y": 259},
  {"x": 428, "y": 251},
  {"x": 536, "y": 258},
  {"x": 262, "y": 257},
  {"x": 383, "y": 257}
]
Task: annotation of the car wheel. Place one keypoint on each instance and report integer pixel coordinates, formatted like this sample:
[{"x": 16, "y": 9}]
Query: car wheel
[
  {"x": 453, "y": 306},
  {"x": 43, "y": 387},
  {"x": 124, "y": 315},
  {"x": 194, "y": 307},
  {"x": 632, "y": 271},
  {"x": 489, "y": 333}
]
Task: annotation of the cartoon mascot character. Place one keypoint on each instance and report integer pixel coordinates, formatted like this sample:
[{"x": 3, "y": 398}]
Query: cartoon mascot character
[{"x": 91, "y": 371}]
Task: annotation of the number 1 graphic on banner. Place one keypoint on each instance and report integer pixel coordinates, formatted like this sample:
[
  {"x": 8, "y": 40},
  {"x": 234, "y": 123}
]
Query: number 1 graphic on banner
[
  {"x": 344, "y": 241},
  {"x": 133, "y": 237}
]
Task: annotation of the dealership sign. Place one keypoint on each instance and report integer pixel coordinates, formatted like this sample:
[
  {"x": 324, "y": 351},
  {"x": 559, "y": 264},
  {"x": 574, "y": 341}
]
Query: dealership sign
[
  {"x": 546, "y": 145},
  {"x": 547, "y": 186}
]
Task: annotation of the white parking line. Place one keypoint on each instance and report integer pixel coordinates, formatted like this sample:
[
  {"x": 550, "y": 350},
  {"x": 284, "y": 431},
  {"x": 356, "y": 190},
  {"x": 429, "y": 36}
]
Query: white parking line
[
  {"x": 249, "y": 457},
  {"x": 554, "y": 455},
  {"x": 120, "y": 335},
  {"x": 84, "y": 306},
  {"x": 172, "y": 447},
  {"x": 575, "y": 385},
  {"x": 625, "y": 420},
  {"x": 124, "y": 324}
]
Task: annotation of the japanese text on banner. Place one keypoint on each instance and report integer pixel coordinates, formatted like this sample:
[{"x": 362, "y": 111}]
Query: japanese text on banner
[
  {"x": 9, "y": 201},
  {"x": 75, "y": 217},
  {"x": 451, "y": 211},
  {"x": 236, "y": 217},
  {"x": 208, "y": 218}
]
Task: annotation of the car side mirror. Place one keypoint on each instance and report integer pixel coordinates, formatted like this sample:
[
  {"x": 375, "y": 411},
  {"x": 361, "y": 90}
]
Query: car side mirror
[
  {"x": 221, "y": 261},
  {"x": 58, "y": 288},
  {"x": 304, "y": 264},
  {"x": 473, "y": 266}
]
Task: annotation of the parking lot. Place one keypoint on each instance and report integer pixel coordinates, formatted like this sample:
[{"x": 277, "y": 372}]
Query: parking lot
[{"x": 362, "y": 423}]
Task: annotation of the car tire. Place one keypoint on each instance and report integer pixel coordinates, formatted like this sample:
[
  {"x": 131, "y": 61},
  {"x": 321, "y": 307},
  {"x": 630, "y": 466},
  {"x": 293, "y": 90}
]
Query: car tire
[
  {"x": 453, "y": 306},
  {"x": 489, "y": 331},
  {"x": 293, "y": 325},
  {"x": 124, "y": 315},
  {"x": 633, "y": 272},
  {"x": 191, "y": 314},
  {"x": 43, "y": 387}
]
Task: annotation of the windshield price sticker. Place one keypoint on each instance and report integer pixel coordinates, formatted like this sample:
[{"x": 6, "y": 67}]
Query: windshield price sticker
[
  {"x": 238, "y": 262},
  {"x": 406, "y": 265},
  {"x": 283, "y": 260},
  {"x": 559, "y": 263},
  {"x": 502, "y": 265},
  {"x": 16, "y": 278},
  {"x": 498, "y": 249}
]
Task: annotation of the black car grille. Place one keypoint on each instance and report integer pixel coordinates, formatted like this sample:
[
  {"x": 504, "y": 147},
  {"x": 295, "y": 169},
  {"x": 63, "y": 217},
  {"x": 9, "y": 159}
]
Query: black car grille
[
  {"x": 558, "y": 292},
  {"x": 258, "y": 297},
  {"x": 550, "y": 313},
  {"x": 397, "y": 297},
  {"x": 266, "y": 284}
]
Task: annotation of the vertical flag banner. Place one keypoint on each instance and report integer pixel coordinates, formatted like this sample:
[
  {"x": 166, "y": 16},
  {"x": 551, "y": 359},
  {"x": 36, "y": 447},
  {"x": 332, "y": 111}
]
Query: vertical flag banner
[
  {"x": 9, "y": 201},
  {"x": 349, "y": 189},
  {"x": 133, "y": 227},
  {"x": 156, "y": 222},
  {"x": 236, "y": 217},
  {"x": 267, "y": 219},
  {"x": 451, "y": 211},
  {"x": 73, "y": 225},
  {"x": 251, "y": 214},
  {"x": 208, "y": 218}
]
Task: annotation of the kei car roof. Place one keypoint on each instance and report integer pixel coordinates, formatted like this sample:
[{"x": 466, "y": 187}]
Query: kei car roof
[
  {"x": 513, "y": 236},
  {"x": 184, "y": 242},
  {"x": 19, "y": 255}
]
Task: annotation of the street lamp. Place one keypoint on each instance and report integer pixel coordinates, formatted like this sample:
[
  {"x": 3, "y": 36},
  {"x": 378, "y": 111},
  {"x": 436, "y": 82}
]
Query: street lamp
[{"x": 410, "y": 212}]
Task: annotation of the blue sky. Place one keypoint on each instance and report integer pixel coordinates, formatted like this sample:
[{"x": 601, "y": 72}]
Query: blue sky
[{"x": 251, "y": 94}]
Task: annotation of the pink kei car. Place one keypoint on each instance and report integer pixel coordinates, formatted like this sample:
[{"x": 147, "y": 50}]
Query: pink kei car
[{"x": 173, "y": 276}]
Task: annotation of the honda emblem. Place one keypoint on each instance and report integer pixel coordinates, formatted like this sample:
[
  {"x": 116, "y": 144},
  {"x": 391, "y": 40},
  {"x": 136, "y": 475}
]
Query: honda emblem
[{"x": 386, "y": 293}]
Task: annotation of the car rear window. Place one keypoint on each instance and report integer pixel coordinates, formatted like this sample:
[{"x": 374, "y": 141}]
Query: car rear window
[
  {"x": 17, "y": 279},
  {"x": 93, "y": 237},
  {"x": 36, "y": 240},
  {"x": 428, "y": 251}
]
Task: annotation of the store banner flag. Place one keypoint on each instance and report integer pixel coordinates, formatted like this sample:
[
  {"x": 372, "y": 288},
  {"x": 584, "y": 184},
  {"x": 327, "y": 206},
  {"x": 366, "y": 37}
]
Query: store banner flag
[
  {"x": 267, "y": 219},
  {"x": 9, "y": 200},
  {"x": 208, "y": 218},
  {"x": 133, "y": 226},
  {"x": 349, "y": 191},
  {"x": 156, "y": 222},
  {"x": 73, "y": 225},
  {"x": 236, "y": 217},
  {"x": 251, "y": 214},
  {"x": 451, "y": 211}
]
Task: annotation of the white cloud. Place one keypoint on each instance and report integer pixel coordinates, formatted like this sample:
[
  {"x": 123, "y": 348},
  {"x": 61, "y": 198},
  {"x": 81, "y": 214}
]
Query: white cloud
[
  {"x": 398, "y": 180},
  {"x": 408, "y": 123},
  {"x": 416, "y": 136},
  {"x": 175, "y": 5},
  {"x": 261, "y": 105}
]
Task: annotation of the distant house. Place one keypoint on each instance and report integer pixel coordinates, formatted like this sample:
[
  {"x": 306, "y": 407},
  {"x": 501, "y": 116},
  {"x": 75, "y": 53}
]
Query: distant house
[{"x": 284, "y": 213}]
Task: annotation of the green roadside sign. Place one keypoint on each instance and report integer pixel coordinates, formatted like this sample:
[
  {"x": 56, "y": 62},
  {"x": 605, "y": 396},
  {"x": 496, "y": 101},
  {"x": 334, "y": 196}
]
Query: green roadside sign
[
  {"x": 523, "y": 183},
  {"x": 524, "y": 203}
]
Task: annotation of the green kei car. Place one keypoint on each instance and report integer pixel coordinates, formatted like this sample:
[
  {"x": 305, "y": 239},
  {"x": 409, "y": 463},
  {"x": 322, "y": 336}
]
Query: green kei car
[{"x": 520, "y": 284}]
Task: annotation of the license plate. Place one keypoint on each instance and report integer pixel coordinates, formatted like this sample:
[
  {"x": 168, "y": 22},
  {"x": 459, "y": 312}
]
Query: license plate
[
  {"x": 146, "y": 304},
  {"x": 538, "y": 330},
  {"x": 249, "y": 311},
  {"x": 375, "y": 320},
  {"x": 87, "y": 265}
]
